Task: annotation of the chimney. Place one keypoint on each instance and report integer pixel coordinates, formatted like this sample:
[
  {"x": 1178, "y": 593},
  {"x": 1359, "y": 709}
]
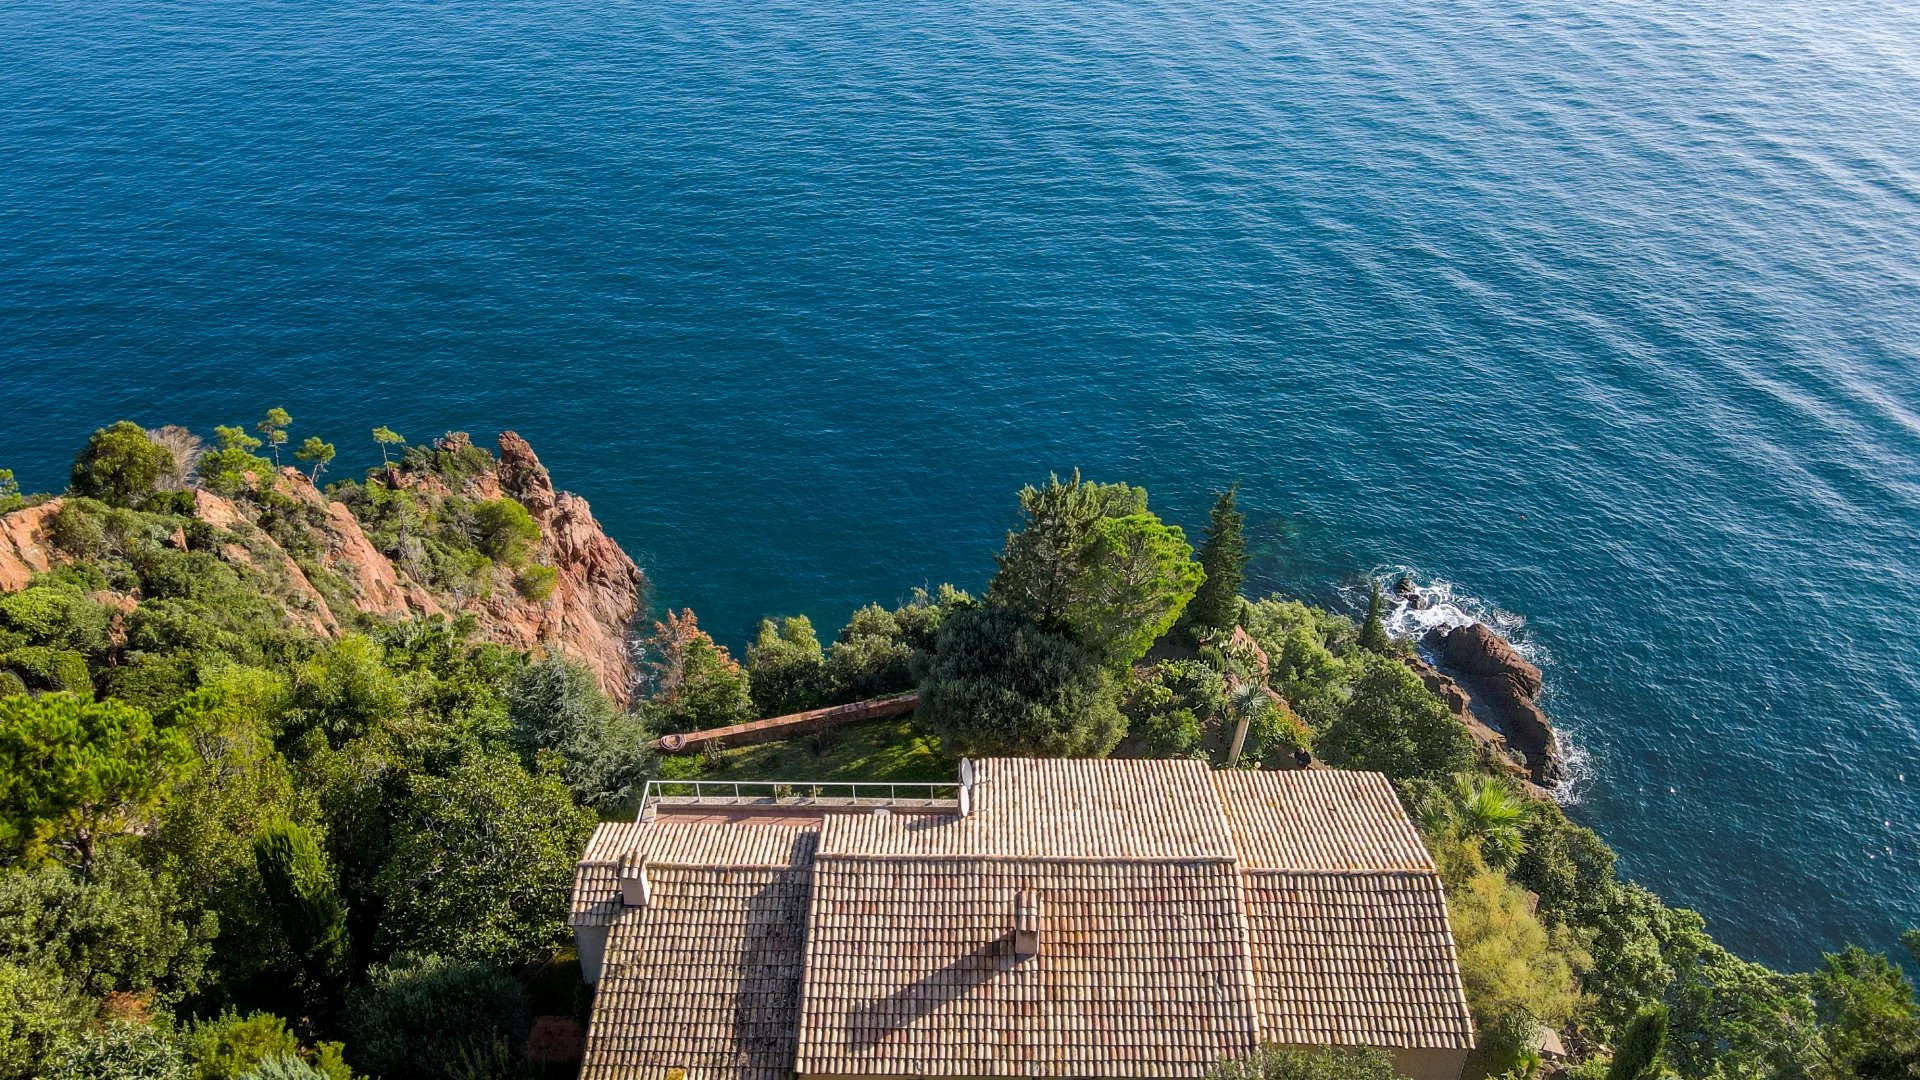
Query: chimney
[
  {"x": 1026, "y": 923},
  {"x": 635, "y": 890}
]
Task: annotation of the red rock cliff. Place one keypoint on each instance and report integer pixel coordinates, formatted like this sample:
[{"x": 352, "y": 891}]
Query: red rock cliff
[{"x": 597, "y": 592}]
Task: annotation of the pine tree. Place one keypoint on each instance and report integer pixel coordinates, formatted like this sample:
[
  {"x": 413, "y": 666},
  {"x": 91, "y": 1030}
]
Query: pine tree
[
  {"x": 1640, "y": 1044},
  {"x": 316, "y": 453},
  {"x": 274, "y": 428},
  {"x": 1373, "y": 632},
  {"x": 387, "y": 437},
  {"x": 1224, "y": 557},
  {"x": 301, "y": 891}
]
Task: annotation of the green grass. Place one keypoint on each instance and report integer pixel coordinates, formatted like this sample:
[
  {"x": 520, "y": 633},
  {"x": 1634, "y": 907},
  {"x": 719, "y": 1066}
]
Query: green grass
[{"x": 885, "y": 750}]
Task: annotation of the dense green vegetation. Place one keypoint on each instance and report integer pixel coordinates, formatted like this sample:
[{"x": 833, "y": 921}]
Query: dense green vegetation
[{"x": 237, "y": 843}]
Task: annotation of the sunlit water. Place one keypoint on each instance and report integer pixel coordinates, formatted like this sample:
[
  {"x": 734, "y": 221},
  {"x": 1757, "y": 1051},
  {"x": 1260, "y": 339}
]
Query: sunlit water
[{"x": 1604, "y": 315}]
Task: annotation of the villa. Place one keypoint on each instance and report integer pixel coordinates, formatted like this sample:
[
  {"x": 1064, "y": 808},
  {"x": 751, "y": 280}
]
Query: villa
[{"x": 1038, "y": 918}]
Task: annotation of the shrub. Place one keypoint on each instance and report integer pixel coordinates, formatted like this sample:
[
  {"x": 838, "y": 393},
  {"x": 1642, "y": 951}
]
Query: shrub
[
  {"x": 784, "y": 666},
  {"x": 283, "y": 1067},
  {"x": 452, "y": 457},
  {"x": 505, "y": 532},
  {"x": 1516, "y": 971},
  {"x": 38, "y": 1006},
  {"x": 998, "y": 684},
  {"x": 421, "y": 1017},
  {"x": 117, "y": 1051},
  {"x": 482, "y": 864},
  {"x": 1167, "y": 707},
  {"x": 41, "y": 668},
  {"x": 77, "y": 529},
  {"x": 876, "y": 651},
  {"x": 150, "y": 682},
  {"x": 121, "y": 466},
  {"x": 120, "y": 929},
  {"x": 1296, "y": 1063},
  {"x": 58, "y": 615},
  {"x": 230, "y": 1046},
  {"x": 536, "y": 582}
]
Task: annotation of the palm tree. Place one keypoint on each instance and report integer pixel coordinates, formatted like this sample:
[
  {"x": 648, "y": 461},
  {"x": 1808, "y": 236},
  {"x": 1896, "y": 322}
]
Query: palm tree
[{"x": 1490, "y": 812}]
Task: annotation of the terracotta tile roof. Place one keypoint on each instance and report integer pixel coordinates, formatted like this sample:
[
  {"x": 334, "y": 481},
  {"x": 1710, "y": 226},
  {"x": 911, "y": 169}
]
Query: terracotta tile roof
[
  {"x": 1142, "y": 969},
  {"x": 596, "y": 892},
  {"x": 705, "y": 978},
  {"x": 1319, "y": 820},
  {"x": 1058, "y": 809},
  {"x": 1356, "y": 958},
  {"x": 1184, "y": 916}
]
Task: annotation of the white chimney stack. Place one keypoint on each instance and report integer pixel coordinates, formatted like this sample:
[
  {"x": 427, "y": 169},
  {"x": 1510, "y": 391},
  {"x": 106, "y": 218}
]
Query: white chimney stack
[{"x": 635, "y": 890}]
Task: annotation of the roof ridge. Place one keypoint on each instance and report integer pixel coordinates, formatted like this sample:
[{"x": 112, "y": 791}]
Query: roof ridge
[
  {"x": 1343, "y": 871},
  {"x": 1093, "y": 860}
]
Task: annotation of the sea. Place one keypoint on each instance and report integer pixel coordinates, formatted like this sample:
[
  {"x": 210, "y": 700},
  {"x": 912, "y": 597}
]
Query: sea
[{"x": 1599, "y": 319}]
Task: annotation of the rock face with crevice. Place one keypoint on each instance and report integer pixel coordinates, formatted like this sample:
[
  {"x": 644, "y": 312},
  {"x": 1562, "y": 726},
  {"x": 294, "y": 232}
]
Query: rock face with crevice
[{"x": 598, "y": 590}]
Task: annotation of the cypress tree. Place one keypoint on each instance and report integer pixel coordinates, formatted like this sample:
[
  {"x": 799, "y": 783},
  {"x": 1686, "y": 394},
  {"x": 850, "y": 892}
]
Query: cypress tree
[
  {"x": 1373, "y": 632},
  {"x": 1640, "y": 1044},
  {"x": 301, "y": 891},
  {"x": 1224, "y": 557}
]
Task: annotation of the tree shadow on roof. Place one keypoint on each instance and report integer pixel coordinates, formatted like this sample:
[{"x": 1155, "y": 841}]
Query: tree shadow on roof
[
  {"x": 766, "y": 1008},
  {"x": 871, "y": 1023}
]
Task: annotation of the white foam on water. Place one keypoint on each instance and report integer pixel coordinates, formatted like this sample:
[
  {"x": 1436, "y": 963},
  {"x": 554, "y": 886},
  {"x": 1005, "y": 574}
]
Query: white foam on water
[{"x": 1438, "y": 604}]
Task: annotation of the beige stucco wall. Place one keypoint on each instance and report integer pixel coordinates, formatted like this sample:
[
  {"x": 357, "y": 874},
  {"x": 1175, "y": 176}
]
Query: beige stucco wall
[{"x": 1424, "y": 1064}]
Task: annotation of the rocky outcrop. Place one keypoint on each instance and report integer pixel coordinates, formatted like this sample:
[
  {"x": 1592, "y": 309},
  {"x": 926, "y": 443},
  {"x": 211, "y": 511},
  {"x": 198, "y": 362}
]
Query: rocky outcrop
[
  {"x": 598, "y": 591},
  {"x": 377, "y": 587},
  {"x": 24, "y": 547},
  {"x": 1501, "y": 686},
  {"x": 248, "y": 546},
  {"x": 1493, "y": 746}
]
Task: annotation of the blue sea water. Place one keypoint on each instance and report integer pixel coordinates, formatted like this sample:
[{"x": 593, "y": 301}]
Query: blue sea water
[{"x": 1605, "y": 315}]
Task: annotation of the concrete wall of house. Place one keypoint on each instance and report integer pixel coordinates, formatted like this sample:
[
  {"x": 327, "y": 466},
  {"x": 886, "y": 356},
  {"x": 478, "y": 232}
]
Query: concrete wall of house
[
  {"x": 1429, "y": 1064},
  {"x": 592, "y": 943}
]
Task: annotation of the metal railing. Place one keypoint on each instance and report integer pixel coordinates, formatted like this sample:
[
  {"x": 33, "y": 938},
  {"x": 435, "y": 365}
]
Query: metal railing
[{"x": 795, "y": 793}]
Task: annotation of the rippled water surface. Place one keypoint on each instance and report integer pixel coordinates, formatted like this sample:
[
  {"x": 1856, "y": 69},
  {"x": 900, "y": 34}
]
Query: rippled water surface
[{"x": 1606, "y": 314}]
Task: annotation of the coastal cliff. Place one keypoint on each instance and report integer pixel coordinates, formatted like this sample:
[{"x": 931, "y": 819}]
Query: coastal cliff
[{"x": 332, "y": 576}]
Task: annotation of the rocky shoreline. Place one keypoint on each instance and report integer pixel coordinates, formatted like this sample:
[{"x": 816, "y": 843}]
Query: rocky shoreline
[{"x": 1491, "y": 689}]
